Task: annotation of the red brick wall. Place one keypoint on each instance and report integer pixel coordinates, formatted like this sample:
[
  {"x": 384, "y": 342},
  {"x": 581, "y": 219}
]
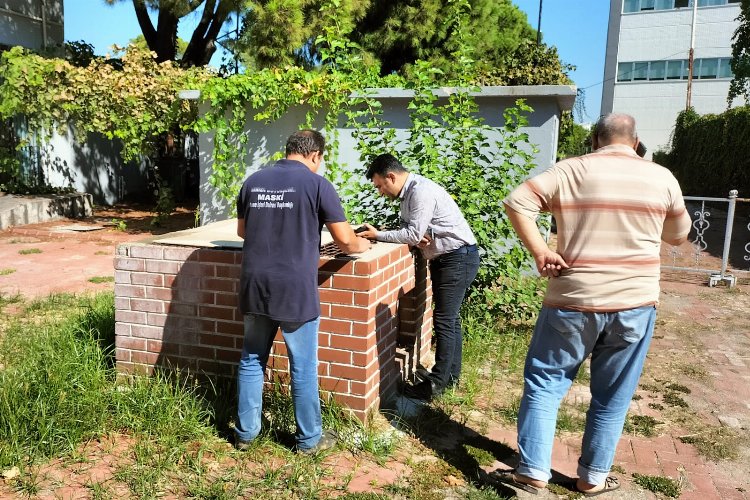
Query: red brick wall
[{"x": 176, "y": 307}]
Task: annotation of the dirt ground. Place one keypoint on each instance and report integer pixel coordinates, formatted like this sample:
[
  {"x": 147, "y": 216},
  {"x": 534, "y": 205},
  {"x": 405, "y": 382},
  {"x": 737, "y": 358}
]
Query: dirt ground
[{"x": 696, "y": 385}]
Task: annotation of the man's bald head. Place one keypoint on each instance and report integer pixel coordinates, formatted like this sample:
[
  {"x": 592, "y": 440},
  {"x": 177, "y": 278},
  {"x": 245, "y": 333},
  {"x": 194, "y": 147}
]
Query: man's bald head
[{"x": 615, "y": 128}]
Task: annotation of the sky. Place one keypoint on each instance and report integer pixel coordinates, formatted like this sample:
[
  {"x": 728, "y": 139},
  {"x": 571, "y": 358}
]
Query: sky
[{"x": 578, "y": 28}]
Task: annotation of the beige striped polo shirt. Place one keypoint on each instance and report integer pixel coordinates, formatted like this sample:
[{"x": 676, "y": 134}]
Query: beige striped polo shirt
[{"x": 612, "y": 209}]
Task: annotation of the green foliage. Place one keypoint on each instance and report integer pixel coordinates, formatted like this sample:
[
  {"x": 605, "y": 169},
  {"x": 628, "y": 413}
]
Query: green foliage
[
  {"x": 11, "y": 179},
  {"x": 399, "y": 33},
  {"x": 658, "y": 484},
  {"x": 119, "y": 225},
  {"x": 716, "y": 443},
  {"x": 529, "y": 64},
  {"x": 740, "y": 85},
  {"x": 57, "y": 387},
  {"x": 448, "y": 141},
  {"x": 102, "y": 279},
  {"x": 715, "y": 144},
  {"x": 395, "y": 34},
  {"x": 575, "y": 140},
  {"x": 50, "y": 400},
  {"x": 79, "y": 53},
  {"x": 137, "y": 104},
  {"x": 642, "y": 425}
]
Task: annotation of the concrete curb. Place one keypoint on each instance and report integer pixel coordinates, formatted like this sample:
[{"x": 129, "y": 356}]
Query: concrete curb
[{"x": 21, "y": 210}]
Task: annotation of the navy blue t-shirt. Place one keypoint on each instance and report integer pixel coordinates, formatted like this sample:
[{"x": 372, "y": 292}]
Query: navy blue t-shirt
[{"x": 284, "y": 207}]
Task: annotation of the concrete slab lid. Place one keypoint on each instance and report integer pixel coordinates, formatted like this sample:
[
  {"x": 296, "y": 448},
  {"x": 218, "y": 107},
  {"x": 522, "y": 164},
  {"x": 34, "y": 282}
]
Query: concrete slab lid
[
  {"x": 76, "y": 228},
  {"x": 223, "y": 234}
]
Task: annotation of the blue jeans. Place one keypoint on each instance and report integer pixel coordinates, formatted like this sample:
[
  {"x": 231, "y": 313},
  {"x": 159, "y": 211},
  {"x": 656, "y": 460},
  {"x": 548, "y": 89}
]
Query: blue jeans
[
  {"x": 302, "y": 347},
  {"x": 618, "y": 343},
  {"x": 451, "y": 276}
]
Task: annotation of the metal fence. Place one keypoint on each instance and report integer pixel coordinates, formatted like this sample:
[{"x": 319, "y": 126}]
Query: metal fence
[{"x": 723, "y": 253}]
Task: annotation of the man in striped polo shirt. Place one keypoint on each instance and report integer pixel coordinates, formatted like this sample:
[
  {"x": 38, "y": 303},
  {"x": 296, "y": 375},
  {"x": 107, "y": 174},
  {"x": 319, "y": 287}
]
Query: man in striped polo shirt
[{"x": 612, "y": 210}]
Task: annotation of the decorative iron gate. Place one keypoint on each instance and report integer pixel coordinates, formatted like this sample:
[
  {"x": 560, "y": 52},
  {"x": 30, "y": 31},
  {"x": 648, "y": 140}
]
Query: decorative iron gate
[{"x": 700, "y": 254}]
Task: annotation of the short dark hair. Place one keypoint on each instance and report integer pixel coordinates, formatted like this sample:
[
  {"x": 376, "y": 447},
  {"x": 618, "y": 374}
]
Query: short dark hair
[
  {"x": 304, "y": 142},
  {"x": 383, "y": 164}
]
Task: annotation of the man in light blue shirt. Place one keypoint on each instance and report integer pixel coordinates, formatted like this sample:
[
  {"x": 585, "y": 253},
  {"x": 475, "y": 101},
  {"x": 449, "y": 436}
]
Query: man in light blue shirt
[{"x": 431, "y": 221}]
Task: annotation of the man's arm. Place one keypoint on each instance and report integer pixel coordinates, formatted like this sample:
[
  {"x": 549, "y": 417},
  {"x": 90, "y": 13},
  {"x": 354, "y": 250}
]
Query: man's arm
[
  {"x": 241, "y": 228},
  {"x": 676, "y": 229},
  {"x": 548, "y": 263},
  {"x": 415, "y": 220},
  {"x": 345, "y": 238}
]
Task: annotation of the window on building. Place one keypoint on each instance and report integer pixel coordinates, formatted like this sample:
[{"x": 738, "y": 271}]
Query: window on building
[
  {"x": 675, "y": 70},
  {"x": 707, "y": 68},
  {"x": 704, "y": 69},
  {"x": 631, "y": 6},
  {"x": 624, "y": 72},
  {"x": 648, "y": 5},
  {"x": 725, "y": 68},
  {"x": 657, "y": 70},
  {"x": 640, "y": 71}
]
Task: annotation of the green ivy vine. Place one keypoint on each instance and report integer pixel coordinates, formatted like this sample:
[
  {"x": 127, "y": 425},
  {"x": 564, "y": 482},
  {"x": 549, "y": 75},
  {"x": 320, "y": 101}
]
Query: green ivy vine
[{"x": 447, "y": 141}]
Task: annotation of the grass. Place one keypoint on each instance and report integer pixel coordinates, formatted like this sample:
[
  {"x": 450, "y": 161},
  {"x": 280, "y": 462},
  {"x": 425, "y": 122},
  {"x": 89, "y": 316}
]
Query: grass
[
  {"x": 678, "y": 388},
  {"x": 58, "y": 377},
  {"x": 695, "y": 371},
  {"x": 29, "y": 251},
  {"x": 482, "y": 456},
  {"x": 642, "y": 425},
  {"x": 716, "y": 443},
  {"x": 9, "y": 299},
  {"x": 7, "y": 271},
  {"x": 58, "y": 390},
  {"x": 658, "y": 484},
  {"x": 102, "y": 252},
  {"x": 119, "y": 225},
  {"x": 102, "y": 279},
  {"x": 672, "y": 399}
]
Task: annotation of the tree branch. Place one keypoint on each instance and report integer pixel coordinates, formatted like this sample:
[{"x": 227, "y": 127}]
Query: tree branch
[{"x": 147, "y": 27}]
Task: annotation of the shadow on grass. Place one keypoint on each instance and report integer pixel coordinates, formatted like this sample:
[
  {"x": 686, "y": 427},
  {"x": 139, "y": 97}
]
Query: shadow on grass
[{"x": 462, "y": 447}]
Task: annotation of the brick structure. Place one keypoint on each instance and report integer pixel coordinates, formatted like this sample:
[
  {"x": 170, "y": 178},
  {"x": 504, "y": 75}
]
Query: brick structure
[{"x": 176, "y": 307}]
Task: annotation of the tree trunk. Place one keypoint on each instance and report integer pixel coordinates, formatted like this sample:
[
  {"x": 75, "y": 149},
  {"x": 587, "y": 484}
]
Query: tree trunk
[{"x": 203, "y": 42}]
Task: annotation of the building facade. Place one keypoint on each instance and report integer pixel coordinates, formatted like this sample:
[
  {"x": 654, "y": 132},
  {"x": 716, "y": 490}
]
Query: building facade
[
  {"x": 32, "y": 24},
  {"x": 646, "y": 65}
]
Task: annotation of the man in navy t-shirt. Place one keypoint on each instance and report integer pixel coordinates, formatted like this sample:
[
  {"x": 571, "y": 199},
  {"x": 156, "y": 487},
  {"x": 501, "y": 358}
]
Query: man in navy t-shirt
[{"x": 281, "y": 210}]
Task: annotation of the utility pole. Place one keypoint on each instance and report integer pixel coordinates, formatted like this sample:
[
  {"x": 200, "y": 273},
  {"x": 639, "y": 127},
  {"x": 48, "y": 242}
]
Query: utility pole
[
  {"x": 691, "y": 57},
  {"x": 539, "y": 25}
]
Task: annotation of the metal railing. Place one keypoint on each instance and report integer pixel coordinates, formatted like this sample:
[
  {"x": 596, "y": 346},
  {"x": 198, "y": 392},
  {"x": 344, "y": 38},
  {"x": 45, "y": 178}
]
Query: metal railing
[{"x": 699, "y": 243}]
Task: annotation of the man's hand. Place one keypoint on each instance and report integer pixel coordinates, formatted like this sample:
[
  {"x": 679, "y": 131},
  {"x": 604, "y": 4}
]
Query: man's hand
[
  {"x": 550, "y": 264},
  {"x": 425, "y": 242},
  {"x": 370, "y": 233}
]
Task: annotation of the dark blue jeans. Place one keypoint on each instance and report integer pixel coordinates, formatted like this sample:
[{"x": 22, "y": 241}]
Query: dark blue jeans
[{"x": 451, "y": 275}]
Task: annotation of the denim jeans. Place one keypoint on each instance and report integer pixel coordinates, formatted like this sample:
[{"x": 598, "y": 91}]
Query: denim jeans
[
  {"x": 451, "y": 275},
  {"x": 618, "y": 343},
  {"x": 302, "y": 350}
]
